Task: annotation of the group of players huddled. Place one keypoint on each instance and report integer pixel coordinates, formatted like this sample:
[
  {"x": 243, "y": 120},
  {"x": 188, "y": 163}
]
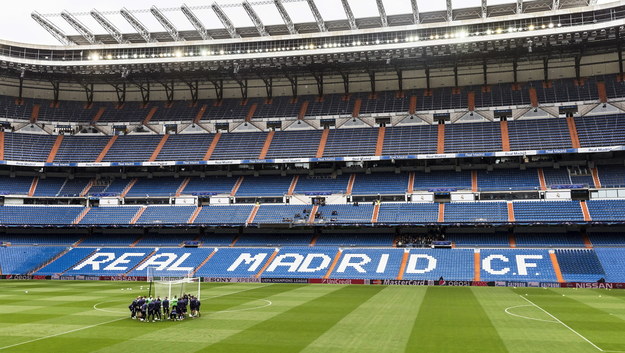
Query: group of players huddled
[{"x": 155, "y": 309}]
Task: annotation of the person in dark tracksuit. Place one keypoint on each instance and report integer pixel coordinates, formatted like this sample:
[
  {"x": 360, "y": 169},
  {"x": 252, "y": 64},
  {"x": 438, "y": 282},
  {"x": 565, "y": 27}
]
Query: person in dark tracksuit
[
  {"x": 166, "y": 307},
  {"x": 133, "y": 308}
]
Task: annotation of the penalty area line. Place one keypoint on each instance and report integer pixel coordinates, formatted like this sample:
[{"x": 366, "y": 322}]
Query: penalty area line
[
  {"x": 567, "y": 326},
  {"x": 61, "y": 333}
]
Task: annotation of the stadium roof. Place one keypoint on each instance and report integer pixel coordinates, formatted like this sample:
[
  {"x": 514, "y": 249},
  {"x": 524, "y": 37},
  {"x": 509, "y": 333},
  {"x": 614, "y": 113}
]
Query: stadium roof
[{"x": 261, "y": 18}]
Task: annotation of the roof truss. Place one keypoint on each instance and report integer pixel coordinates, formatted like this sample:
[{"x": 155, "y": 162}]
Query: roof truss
[
  {"x": 255, "y": 18},
  {"x": 108, "y": 26},
  {"x": 166, "y": 23},
  {"x": 137, "y": 25},
  {"x": 382, "y": 12},
  {"x": 52, "y": 29},
  {"x": 320, "y": 23},
  {"x": 79, "y": 27},
  {"x": 349, "y": 14},
  {"x": 197, "y": 24},
  {"x": 225, "y": 20},
  {"x": 285, "y": 16}
]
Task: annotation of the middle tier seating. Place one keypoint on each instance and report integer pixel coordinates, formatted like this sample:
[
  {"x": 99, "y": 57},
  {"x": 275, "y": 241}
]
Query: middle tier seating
[{"x": 524, "y": 134}]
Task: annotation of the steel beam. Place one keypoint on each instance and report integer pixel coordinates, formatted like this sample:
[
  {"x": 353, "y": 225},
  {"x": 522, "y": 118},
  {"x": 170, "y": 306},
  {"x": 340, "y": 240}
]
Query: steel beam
[
  {"x": 320, "y": 23},
  {"x": 415, "y": 11},
  {"x": 349, "y": 14},
  {"x": 197, "y": 24},
  {"x": 137, "y": 25},
  {"x": 260, "y": 27},
  {"x": 79, "y": 27},
  {"x": 225, "y": 20},
  {"x": 285, "y": 16},
  {"x": 382, "y": 12},
  {"x": 108, "y": 26},
  {"x": 52, "y": 29},
  {"x": 166, "y": 23},
  {"x": 519, "y": 6},
  {"x": 450, "y": 11},
  {"x": 484, "y": 9}
]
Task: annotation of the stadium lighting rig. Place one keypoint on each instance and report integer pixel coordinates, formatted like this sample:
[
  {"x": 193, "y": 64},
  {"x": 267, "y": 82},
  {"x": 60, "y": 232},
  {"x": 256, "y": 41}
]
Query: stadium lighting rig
[{"x": 485, "y": 32}]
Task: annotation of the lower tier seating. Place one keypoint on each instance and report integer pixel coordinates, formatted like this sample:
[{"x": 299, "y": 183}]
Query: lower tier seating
[{"x": 495, "y": 264}]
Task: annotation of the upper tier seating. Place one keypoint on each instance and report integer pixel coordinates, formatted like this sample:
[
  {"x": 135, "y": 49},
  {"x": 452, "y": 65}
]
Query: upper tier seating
[
  {"x": 562, "y": 176},
  {"x": 606, "y": 210},
  {"x": 287, "y": 144},
  {"x": 240, "y": 146},
  {"x": 478, "y": 239},
  {"x": 160, "y": 186},
  {"x": 226, "y": 215},
  {"x": 530, "y": 134},
  {"x": 264, "y": 186},
  {"x": 355, "y": 239},
  {"x": 110, "y": 215},
  {"x": 410, "y": 140},
  {"x": 27, "y": 147},
  {"x": 185, "y": 147},
  {"x": 321, "y": 184},
  {"x": 142, "y": 147},
  {"x": 351, "y": 142},
  {"x": 15, "y": 186},
  {"x": 380, "y": 184},
  {"x": 398, "y": 213},
  {"x": 508, "y": 179},
  {"x": 166, "y": 215},
  {"x": 479, "y": 212},
  {"x": 553, "y": 211},
  {"x": 472, "y": 137},
  {"x": 612, "y": 176},
  {"x": 81, "y": 148},
  {"x": 40, "y": 215},
  {"x": 283, "y": 214},
  {"x": 274, "y": 239},
  {"x": 601, "y": 130},
  {"x": 209, "y": 185},
  {"x": 554, "y": 133},
  {"x": 548, "y": 240}
]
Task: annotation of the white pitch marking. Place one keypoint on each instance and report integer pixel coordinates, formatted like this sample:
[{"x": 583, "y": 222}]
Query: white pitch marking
[
  {"x": 268, "y": 303},
  {"x": 60, "y": 333},
  {"x": 525, "y": 317},
  {"x": 568, "y": 327}
]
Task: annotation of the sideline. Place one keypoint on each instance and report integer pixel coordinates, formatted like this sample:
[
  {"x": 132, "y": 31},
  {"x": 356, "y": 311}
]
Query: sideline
[
  {"x": 61, "y": 333},
  {"x": 568, "y": 327}
]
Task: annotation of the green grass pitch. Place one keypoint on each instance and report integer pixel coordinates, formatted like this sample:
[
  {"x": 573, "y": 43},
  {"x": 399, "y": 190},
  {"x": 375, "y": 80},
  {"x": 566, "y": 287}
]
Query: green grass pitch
[{"x": 78, "y": 316}]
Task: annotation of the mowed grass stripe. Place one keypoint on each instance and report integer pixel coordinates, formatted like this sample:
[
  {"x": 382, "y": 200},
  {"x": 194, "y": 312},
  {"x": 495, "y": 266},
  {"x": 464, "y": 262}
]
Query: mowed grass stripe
[
  {"x": 194, "y": 334},
  {"x": 602, "y": 329},
  {"x": 381, "y": 324},
  {"x": 296, "y": 328},
  {"x": 523, "y": 327},
  {"x": 452, "y": 320},
  {"x": 126, "y": 335}
]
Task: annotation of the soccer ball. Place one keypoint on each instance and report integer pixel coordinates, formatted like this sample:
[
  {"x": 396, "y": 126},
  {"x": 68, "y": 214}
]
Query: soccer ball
[{"x": 26, "y": 291}]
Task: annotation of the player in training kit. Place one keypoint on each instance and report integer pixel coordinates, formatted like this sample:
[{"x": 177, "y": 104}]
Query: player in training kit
[
  {"x": 133, "y": 308},
  {"x": 166, "y": 307},
  {"x": 151, "y": 309},
  {"x": 157, "y": 308}
]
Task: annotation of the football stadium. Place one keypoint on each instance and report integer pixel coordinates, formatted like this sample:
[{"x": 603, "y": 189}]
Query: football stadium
[{"x": 315, "y": 176}]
